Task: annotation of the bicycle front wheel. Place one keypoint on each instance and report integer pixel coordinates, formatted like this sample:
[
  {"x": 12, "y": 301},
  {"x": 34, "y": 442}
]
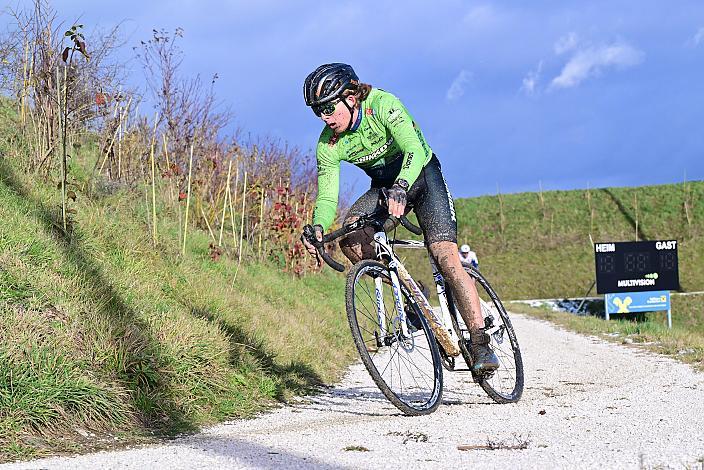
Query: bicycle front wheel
[
  {"x": 402, "y": 359},
  {"x": 505, "y": 384}
]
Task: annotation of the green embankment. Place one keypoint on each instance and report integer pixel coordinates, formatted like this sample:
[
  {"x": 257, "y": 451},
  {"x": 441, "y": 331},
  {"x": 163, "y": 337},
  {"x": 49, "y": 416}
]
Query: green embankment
[
  {"x": 533, "y": 245},
  {"x": 106, "y": 339},
  {"x": 532, "y": 249},
  {"x": 544, "y": 250}
]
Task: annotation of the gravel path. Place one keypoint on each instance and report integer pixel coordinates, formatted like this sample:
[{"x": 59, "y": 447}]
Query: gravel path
[{"x": 587, "y": 404}]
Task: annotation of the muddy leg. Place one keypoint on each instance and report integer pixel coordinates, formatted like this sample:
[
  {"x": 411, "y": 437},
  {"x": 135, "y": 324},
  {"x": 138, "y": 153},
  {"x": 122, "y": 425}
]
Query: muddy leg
[{"x": 462, "y": 285}]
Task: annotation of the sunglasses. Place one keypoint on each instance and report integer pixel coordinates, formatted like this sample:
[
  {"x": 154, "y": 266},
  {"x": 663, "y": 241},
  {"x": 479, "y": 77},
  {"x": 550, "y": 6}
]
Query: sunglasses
[{"x": 326, "y": 109}]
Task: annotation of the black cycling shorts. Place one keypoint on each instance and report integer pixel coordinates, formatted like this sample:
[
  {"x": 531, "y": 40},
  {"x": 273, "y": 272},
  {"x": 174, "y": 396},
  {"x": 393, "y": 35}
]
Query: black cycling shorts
[{"x": 429, "y": 197}]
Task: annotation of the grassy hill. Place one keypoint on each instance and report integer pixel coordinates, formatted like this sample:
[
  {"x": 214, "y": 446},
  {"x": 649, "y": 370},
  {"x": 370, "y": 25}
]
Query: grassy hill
[
  {"x": 535, "y": 245},
  {"x": 105, "y": 338}
]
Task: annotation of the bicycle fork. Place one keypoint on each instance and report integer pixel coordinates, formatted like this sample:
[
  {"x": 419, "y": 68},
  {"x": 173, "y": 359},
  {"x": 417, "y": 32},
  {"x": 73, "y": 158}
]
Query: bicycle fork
[{"x": 381, "y": 310}]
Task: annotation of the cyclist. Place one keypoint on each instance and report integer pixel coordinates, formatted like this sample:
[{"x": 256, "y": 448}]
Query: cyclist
[
  {"x": 372, "y": 129},
  {"x": 468, "y": 258}
]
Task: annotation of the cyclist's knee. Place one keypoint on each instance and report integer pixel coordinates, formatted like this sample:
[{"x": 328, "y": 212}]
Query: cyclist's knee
[
  {"x": 350, "y": 218},
  {"x": 352, "y": 253},
  {"x": 357, "y": 245},
  {"x": 444, "y": 251}
]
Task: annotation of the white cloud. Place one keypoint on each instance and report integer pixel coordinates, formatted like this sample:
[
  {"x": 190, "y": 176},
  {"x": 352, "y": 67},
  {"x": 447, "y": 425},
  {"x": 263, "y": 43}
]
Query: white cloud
[
  {"x": 530, "y": 81},
  {"x": 698, "y": 37},
  {"x": 456, "y": 90},
  {"x": 480, "y": 16},
  {"x": 590, "y": 62},
  {"x": 566, "y": 43}
]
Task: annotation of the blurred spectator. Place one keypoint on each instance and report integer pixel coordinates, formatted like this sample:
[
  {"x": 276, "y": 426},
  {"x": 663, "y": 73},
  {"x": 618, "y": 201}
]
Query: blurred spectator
[{"x": 468, "y": 257}]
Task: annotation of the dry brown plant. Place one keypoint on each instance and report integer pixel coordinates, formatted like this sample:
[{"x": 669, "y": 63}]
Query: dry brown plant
[
  {"x": 87, "y": 99},
  {"x": 31, "y": 51}
]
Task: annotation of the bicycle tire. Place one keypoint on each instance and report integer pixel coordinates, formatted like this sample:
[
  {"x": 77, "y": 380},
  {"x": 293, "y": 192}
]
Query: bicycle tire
[
  {"x": 490, "y": 383},
  {"x": 421, "y": 346}
]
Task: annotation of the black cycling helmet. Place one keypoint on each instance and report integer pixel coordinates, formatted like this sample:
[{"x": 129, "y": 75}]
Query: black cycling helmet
[{"x": 328, "y": 82}]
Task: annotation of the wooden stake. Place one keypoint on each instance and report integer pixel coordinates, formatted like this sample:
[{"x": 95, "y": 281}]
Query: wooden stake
[
  {"x": 146, "y": 204},
  {"x": 151, "y": 154},
  {"x": 540, "y": 195},
  {"x": 237, "y": 181},
  {"x": 207, "y": 224},
  {"x": 62, "y": 136},
  {"x": 119, "y": 148},
  {"x": 591, "y": 210},
  {"x": 635, "y": 203},
  {"x": 188, "y": 201},
  {"x": 224, "y": 204},
  {"x": 166, "y": 150},
  {"x": 244, "y": 204},
  {"x": 686, "y": 200},
  {"x": 501, "y": 210},
  {"x": 174, "y": 198},
  {"x": 25, "y": 85},
  {"x": 233, "y": 203},
  {"x": 261, "y": 224}
]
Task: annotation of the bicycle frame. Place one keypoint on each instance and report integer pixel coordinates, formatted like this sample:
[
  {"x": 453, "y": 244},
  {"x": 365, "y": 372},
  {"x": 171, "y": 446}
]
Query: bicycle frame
[
  {"x": 441, "y": 325},
  {"x": 488, "y": 311}
]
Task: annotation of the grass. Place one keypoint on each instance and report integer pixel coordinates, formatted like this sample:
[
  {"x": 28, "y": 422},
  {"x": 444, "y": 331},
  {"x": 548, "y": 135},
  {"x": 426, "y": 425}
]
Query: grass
[
  {"x": 102, "y": 334},
  {"x": 546, "y": 253}
]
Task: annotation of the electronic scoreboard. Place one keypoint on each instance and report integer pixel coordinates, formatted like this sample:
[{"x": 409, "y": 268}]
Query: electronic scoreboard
[{"x": 636, "y": 266}]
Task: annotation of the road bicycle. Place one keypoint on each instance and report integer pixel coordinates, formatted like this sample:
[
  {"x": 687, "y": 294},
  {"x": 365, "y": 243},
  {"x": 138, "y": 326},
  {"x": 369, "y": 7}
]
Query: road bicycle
[{"x": 402, "y": 340}]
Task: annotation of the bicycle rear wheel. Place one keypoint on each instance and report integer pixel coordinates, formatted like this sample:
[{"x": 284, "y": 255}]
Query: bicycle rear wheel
[
  {"x": 406, "y": 368},
  {"x": 505, "y": 384}
]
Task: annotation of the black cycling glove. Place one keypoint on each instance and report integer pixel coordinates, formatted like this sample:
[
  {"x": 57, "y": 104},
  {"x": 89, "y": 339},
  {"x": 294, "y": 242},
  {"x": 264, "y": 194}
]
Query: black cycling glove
[
  {"x": 397, "y": 192},
  {"x": 317, "y": 228}
]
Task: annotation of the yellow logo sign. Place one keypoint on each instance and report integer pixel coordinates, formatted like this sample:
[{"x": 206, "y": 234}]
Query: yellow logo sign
[{"x": 623, "y": 304}]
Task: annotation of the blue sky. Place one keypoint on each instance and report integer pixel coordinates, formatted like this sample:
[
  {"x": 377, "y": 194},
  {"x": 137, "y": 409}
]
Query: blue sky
[{"x": 569, "y": 93}]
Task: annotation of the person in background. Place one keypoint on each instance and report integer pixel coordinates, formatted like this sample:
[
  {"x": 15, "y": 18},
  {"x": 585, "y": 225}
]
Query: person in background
[{"x": 468, "y": 257}]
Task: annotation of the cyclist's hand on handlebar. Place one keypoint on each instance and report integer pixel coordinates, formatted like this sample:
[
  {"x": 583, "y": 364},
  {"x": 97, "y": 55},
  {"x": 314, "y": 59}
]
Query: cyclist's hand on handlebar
[
  {"x": 318, "y": 230},
  {"x": 396, "y": 198}
]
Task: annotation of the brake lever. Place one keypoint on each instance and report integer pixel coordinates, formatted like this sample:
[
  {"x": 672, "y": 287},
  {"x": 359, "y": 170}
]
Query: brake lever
[{"x": 309, "y": 234}]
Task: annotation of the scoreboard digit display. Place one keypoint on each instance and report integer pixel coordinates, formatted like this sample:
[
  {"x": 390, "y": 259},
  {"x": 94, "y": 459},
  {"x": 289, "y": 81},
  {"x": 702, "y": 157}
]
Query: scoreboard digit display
[{"x": 636, "y": 266}]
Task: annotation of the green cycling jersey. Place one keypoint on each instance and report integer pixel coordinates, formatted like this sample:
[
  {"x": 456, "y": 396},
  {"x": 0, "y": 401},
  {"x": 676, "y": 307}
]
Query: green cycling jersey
[{"x": 384, "y": 132}]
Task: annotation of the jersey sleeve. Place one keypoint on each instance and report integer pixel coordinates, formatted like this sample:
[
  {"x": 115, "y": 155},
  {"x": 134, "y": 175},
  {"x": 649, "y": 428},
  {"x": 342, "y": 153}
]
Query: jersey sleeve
[
  {"x": 328, "y": 185},
  {"x": 395, "y": 117}
]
